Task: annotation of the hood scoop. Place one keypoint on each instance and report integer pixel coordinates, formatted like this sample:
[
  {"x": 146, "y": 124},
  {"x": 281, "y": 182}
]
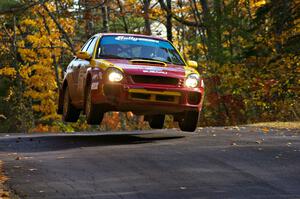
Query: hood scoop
[{"x": 147, "y": 62}]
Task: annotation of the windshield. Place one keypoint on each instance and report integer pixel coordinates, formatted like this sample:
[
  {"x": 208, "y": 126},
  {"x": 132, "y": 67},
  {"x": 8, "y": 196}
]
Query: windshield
[{"x": 131, "y": 47}]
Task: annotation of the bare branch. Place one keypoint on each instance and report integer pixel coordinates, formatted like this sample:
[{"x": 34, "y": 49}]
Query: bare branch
[
  {"x": 177, "y": 18},
  {"x": 60, "y": 28}
]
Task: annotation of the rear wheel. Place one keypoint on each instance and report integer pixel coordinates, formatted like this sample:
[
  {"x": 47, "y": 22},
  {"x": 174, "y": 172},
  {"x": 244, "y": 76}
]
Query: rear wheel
[
  {"x": 94, "y": 115},
  {"x": 69, "y": 112},
  {"x": 156, "y": 121},
  {"x": 189, "y": 121}
]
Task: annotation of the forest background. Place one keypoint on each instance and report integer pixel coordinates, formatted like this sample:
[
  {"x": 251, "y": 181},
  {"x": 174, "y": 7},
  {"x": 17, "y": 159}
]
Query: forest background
[{"x": 248, "y": 52}]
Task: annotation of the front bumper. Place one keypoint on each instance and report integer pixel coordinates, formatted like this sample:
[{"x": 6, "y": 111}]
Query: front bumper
[{"x": 147, "y": 99}]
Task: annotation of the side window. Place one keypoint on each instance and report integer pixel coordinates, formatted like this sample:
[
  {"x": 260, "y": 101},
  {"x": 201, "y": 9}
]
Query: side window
[
  {"x": 91, "y": 47},
  {"x": 86, "y": 45}
]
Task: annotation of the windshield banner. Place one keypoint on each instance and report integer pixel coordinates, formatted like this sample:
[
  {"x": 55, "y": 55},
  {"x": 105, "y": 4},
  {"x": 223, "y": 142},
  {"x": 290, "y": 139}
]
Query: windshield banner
[{"x": 130, "y": 40}]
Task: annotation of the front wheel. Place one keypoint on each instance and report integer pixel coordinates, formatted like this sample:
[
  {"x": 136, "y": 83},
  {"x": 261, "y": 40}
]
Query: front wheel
[
  {"x": 94, "y": 115},
  {"x": 157, "y": 121},
  {"x": 189, "y": 121}
]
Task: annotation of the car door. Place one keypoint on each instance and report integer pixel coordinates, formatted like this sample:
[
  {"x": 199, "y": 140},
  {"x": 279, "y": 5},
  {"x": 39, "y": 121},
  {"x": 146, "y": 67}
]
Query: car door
[
  {"x": 76, "y": 65},
  {"x": 84, "y": 65}
]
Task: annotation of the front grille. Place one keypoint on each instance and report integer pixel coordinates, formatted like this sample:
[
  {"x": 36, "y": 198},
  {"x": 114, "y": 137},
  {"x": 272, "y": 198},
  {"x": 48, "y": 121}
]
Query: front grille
[
  {"x": 154, "y": 79},
  {"x": 154, "y": 97},
  {"x": 140, "y": 96},
  {"x": 165, "y": 98}
]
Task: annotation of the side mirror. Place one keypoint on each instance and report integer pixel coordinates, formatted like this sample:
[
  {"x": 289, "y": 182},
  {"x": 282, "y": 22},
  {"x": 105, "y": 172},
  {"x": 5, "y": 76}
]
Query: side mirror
[
  {"x": 83, "y": 55},
  {"x": 192, "y": 64}
]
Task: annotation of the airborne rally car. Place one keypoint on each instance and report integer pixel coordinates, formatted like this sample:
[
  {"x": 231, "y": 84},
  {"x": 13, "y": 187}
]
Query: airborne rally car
[{"x": 124, "y": 72}]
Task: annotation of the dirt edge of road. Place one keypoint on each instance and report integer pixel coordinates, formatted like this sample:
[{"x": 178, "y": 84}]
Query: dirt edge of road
[
  {"x": 277, "y": 125},
  {"x": 5, "y": 193}
]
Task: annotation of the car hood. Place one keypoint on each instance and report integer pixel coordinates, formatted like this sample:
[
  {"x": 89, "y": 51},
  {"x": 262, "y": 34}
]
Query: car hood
[{"x": 148, "y": 68}]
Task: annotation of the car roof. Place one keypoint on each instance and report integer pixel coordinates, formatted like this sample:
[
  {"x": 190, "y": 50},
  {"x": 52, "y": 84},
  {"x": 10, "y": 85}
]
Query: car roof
[{"x": 132, "y": 35}]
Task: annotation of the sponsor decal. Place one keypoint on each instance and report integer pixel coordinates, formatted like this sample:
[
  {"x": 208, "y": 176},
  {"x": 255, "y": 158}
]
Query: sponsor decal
[
  {"x": 155, "y": 71},
  {"x": 94, "y": 86},
  {"x": 130, "y": 38}
]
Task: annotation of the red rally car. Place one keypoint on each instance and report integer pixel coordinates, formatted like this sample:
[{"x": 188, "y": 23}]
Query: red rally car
[{"x": 124, "y": 72}]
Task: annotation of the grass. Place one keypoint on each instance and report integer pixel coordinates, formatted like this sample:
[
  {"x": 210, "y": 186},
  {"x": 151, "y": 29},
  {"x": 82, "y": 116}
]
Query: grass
[{"x": 280, "y": 125}]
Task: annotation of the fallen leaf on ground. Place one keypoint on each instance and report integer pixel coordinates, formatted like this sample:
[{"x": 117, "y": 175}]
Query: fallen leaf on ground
[
  {"x": 265, "y": 130},
  {"x": 4, "y": 194}
]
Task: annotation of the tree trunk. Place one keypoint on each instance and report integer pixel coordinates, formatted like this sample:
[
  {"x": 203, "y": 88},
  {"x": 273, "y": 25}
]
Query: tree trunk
[
  {"x": 168, "y": 8},
  {"x": 123, "y": 16},
  {"x": 87, "y": 17},
  {"x": 146, "y": 6},
  {"x": 201, "y": 29},
  {"x": 169, "y": 20},
  {"x": 105, "y": 27}
]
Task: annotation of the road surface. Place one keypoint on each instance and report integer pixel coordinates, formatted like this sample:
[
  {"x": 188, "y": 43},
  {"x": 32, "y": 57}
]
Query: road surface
[{"x": 214, "y": 162}]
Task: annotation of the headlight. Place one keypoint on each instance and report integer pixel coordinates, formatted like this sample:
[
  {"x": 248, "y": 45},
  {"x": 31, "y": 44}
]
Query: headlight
[
  {"x": 192, "y": 80},
  {"x": 115, "y": 75}
]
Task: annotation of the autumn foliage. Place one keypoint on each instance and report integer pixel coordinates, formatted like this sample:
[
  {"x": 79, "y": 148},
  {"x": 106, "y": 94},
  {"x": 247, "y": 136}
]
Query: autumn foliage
[{"x": 248, "y": 52}]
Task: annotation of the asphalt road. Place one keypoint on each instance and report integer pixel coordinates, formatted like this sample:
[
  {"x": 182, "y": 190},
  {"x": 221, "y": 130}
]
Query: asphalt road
[{"x": 211, "y": 163}]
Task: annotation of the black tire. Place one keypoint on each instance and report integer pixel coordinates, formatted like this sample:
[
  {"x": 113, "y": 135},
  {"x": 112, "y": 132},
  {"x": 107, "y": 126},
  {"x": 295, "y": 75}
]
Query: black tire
[
  {"x": 69, "y": 112},
  {"x": 189, "y": 121},
  {"x": 156, "y": 121},
  {"x": 94, "y": 115}
]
